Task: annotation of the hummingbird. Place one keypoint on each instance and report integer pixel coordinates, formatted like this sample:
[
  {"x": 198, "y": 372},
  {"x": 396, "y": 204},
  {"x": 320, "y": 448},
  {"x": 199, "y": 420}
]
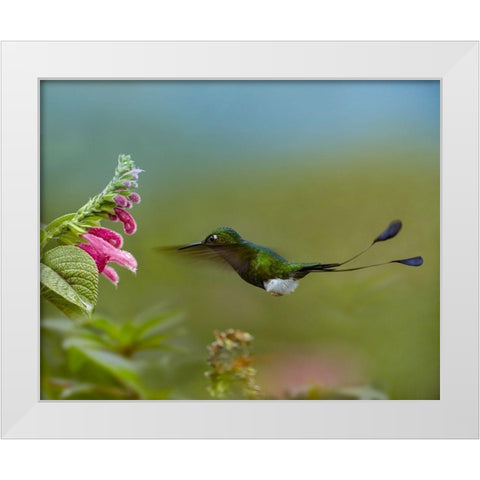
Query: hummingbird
[{"x": 262, "y": 267}]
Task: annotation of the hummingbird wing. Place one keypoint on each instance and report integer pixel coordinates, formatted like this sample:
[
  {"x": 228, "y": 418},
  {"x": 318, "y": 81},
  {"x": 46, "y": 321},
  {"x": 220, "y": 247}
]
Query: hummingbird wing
[{"x": 220, "y": 254}]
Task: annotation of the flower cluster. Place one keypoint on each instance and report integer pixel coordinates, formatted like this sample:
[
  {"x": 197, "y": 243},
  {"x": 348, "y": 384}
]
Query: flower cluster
[
  {"x": 125, "y": 199},
  {"x": 104, "y": 246},
  {"x": 231, "y": 374},
  {"x": 84, "y": 229}
]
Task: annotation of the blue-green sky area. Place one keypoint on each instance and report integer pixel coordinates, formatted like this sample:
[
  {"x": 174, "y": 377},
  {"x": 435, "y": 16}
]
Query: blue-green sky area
[
  {"x": 196, "y": 125},
  {"x": 313, "y": 169},
  {"x": 253, "y": 117}
]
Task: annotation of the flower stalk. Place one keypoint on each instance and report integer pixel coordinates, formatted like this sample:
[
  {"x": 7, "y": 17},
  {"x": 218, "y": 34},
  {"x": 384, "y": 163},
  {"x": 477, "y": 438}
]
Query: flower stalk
[
  {"x": 109, "y": 204},
  {"x": 232, "y": 375},
  {"x": 83, "y": 228}
]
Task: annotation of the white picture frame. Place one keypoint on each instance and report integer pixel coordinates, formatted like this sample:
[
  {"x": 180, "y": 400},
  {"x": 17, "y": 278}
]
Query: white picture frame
[{"x": 455, "y": 415}]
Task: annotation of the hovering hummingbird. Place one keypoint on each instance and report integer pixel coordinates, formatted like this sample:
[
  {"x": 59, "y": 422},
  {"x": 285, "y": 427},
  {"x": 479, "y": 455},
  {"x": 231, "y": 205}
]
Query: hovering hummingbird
[{"x": 266, "y": 269}]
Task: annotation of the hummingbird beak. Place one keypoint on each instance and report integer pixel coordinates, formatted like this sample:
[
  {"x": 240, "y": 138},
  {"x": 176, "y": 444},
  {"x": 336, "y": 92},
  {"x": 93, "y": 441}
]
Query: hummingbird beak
[{"x": 196, "y": 244}]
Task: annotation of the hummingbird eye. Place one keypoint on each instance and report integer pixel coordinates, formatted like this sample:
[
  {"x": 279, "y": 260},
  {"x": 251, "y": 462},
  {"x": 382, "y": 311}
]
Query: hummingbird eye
[{"x": 212, "y": 239}]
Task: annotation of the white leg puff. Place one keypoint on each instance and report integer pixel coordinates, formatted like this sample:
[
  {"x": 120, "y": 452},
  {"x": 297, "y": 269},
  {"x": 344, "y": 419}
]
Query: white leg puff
[{"x": 279, "y": 286}]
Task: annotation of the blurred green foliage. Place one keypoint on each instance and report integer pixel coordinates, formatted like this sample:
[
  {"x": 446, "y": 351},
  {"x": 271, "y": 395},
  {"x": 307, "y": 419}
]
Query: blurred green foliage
[{"x": 100, "y": 359}]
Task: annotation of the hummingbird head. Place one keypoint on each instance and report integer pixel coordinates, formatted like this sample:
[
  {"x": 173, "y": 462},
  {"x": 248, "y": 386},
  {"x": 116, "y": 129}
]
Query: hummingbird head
[
  {"x": 219, "y": 236},
  {"x": 222, "y": 236}
]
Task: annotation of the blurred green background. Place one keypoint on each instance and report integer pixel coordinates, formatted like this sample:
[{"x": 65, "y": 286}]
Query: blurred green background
[{"x": 312, "y": 169}]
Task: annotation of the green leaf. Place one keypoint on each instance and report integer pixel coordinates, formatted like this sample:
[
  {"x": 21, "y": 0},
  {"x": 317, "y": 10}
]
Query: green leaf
[
  {"x": 155, "y": 341},
  {"x": 76, "y": 358},
  {"x": 68, "y": 238},
  {"x": 157, "y": 324},
  {"x": 101, "y": 340},
  {"x": 59, "y": 292},
  {"x": 106, "y": 326},
  {"x": 93, "y": 220},
  {"x": 122, "y": 369},
  {"x": 127, "y": 334},
  {"x": 60, "y": 325},
  {"x": 57, "y": 223},
  {"x": 69, "y": 280}
]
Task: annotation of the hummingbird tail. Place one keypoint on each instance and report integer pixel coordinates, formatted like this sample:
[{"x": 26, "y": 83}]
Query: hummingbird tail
[
  {"x": 330, "y": 267},
  {"x": 390, "y": 232}
]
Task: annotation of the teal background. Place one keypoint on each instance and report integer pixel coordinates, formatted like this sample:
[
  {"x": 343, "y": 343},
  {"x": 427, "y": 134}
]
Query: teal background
[{"x": 314, "y": 170}]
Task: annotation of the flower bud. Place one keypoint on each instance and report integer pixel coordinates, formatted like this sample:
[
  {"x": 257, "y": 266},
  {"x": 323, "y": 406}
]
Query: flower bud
[
  {"x": 121, "y": 201},
  {"x": 129, "y": 225},
  {"x": 134, "y": 197}
]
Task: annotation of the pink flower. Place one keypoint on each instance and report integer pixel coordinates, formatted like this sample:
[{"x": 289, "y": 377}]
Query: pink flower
[
  {"x": 104, "y": 247},
  {"x": 129, "y": 225},
  {"x": 111, "y": 274},
  {"x": 108, "y": 235}
]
